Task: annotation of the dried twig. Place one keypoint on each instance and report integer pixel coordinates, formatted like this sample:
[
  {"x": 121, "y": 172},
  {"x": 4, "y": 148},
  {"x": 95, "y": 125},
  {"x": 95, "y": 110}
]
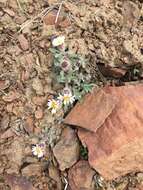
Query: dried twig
[
  {"x": 58, "y": 13},
  {"x": 19, "y": 4},
  {"x": 66, "y": 184}
]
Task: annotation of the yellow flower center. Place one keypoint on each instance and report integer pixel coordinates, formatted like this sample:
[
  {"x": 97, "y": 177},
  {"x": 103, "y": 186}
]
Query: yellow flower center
[
  {"x": 38, "y": 150},
  {"x": 66, "y": 98},
  {"x": 54, "y": 105}
]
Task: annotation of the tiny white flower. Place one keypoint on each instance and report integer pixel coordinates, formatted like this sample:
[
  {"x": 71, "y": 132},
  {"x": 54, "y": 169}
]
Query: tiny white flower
[
  {"x": 66, "y": 98},
  {"x": 53, "y": 105},
  {"x": 58, "y": 41},
  {"x": 38, "y": 151}
]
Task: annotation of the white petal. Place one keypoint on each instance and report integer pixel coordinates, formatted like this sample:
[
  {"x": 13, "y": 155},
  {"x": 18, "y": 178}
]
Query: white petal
[
  {"x": 72, "y": 99},
  {"x": 58, "y": 41},
  {"x": 49, "y": 103},
  {"x": 40, "y": 154},
  {"x": 53, "y": 111},
  {"x": 34, "y": 151},
  {"x": 60, "y": 97}
]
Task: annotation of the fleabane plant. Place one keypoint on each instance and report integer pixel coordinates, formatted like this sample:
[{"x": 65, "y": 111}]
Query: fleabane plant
[
  {"x": 66, "y": 98},
  {"x": 70, "y": 70}
]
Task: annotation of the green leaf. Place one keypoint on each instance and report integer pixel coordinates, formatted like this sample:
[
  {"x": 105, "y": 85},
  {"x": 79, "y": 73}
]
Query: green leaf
[
  {"x": 54, "y": 50},
  {"x": 61, "y": 77},
  {"x": 77, "y": 94},
  {"x": 87, "y": 87}
]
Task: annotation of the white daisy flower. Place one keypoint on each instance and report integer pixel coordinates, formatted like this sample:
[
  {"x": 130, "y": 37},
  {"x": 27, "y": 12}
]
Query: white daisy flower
[
  {"x": 67, "y": 98},
  {"x": 53, "y": 105},
  {"x": 38, "y": 150},
  {"x": 58, "y": 41}
]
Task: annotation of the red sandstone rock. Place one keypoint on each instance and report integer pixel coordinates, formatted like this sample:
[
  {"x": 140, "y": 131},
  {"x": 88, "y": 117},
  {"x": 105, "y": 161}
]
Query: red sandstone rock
[
  {"x": 92, "y": 111},
  {"x": 117, "y": 146},
  {"x": 62, "y": 21},
  {"x": 81, "y": 176}
]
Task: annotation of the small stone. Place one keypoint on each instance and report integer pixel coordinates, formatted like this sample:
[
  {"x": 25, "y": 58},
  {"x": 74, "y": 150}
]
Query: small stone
[
  {"x": 39, "y": 113},
  {"x": 34, "y": 140},
  {"x": 123, "y": 185},
  {"x": 140, "y": 177},
  {"x": 32, "y": 170},
  {"x": 4, "y": 84},
  {"x": 29, "y": 124},
  {"x": 11, "y": 96},
  {"x": 9, "y": 12},
  {"x": 108, "y": 71},
  {"x": 55, "y": 175},
  {"x": 16, "y": 154},
  {"x": 7, "y": 134},
  {"x": 52, "y": 2},
  {"x": 81, "y": 176},
  {"x": 30, "y": 159},
  {"x": 18, "y": 182},
  {"x": 66, "y": 150},
  {"x": 4, "y": 123},
  {"x": 37, "y": 86},
  {"x": 23, "y": 42},
  {"x": 50, "y": 19},
  {"x": 9, "y": 107},
  {"x": 39, "y": 100}
]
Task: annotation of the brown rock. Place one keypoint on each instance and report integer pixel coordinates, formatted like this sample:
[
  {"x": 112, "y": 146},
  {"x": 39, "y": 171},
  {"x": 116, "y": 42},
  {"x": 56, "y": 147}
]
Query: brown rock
[
  {"x": 39, "y": 113},
  {"x": 123, "y": 185},
  {"x": 81, "y": 176},
  {"x": 37, "y": 130},
  {"x": 29, "y": 124},
  {"x": 18, "y": 183},
  {"x": 16, "y": 154},
  {"x": 7, "y": 134},
  {"x": 66, "y": 150},
  {"x": 50, "y": 19},
  {"x": 23, "y": 42},
  {"x": 51, "y": 2},
  {"x": 39, "y": 100},
  {"x": 9, "y": 12},
  {"x": 92, "y": 111},
  {"x": 116, "y": 148},
  {"x": 9, "y": 107},
  {"x": 112, "y": 72},
  {"x": 4, "y": 84},
  {"x": 139, "y": 187},
  {"x": 4, "y": 123},
  {"x": 32, "y": 170},
  {"x": 11, "y": 96},
  {"x": 37, "y": 86},
  {"x": 55, "y": 175}
]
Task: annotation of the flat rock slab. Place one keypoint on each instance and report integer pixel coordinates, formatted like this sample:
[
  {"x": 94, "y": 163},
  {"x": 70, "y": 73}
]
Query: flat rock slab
[
  {"x": 67, "y": 149},
  {"x": 116, "y": 148},
  {"x": 19, "y": 183},
  {"x": 92, "y": 111}
]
